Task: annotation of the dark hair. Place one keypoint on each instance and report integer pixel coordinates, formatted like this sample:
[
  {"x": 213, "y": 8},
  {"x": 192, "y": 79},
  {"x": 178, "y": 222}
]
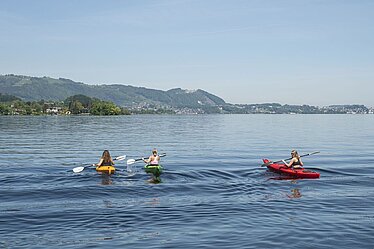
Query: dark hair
[{"x": 106, "y": 156}]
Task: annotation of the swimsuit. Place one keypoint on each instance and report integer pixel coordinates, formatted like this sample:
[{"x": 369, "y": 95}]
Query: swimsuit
[
  {"x": 106, "y": 163},
  {"x": 296, "y": 164},
  {"x": 154, "y": 162}
]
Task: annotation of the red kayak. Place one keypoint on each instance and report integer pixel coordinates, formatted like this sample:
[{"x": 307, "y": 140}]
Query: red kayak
[{"x": 295, "y": 173}]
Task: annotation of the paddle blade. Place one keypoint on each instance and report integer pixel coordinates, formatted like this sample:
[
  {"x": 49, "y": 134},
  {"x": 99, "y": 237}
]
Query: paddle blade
[
  {"x": 270, "y": 162},
  {"x": 78, "y": 169},
  {"x": 130, "y": 161},
  {"x": 266, "y": 162},
  {"x": 120, "y": 158}
]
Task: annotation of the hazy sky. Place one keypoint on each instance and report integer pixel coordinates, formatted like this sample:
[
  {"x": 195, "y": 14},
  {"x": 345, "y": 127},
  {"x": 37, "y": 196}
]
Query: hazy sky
[{"x": 316, "y": 52}]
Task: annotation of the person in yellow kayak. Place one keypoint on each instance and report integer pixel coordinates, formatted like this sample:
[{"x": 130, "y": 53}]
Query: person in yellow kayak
[
  {"x": 105, "y": 160},
  {"x": 295, "y": 162},
  {"x": 153, "y": 159}
]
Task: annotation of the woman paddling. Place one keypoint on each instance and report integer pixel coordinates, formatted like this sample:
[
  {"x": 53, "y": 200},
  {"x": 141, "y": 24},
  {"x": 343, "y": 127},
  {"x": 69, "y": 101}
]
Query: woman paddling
[
  {"x": 295, "y": 162},
  {"x": 153, "y": 159},
  {"x": 105, "y": 160}
]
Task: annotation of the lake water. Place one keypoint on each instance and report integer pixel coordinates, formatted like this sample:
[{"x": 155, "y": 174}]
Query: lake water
[{"x": 213, "y": 194}]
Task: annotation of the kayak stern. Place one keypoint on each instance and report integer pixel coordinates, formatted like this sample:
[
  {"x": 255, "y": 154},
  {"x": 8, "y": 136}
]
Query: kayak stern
[{"x": 106, "y": 169}]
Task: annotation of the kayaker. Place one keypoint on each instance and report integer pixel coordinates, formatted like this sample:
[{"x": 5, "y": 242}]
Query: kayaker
[
  {"x": 153, "y": 159},
  {"x": 295, "y": 162},
  {"x": 105, "y": 160}
]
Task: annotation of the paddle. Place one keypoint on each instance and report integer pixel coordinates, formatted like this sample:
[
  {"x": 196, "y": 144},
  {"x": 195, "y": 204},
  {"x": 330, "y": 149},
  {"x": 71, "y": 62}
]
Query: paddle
[
  {"x": 309, "y": 154},
  {"x": 81, "y": 168},
  {"x": 132, "y": 161}
]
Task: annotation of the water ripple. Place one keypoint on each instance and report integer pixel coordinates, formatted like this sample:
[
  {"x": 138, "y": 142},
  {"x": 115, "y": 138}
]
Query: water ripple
[{"x": 213, "y": 191}]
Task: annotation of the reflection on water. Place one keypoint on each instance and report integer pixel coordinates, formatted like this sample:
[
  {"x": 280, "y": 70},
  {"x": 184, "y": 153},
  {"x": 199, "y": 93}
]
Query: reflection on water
[
  {"x": 295, "y": 193},
  {"x": 154, "y": 179},
  {"x": 108, "y": 204},
  {"x": 106, "y": 179},
  {"x": 153, "y": 202}
]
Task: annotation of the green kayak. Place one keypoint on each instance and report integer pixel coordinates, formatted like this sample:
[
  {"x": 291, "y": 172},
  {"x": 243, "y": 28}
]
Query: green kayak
[{"x": 156, "y": 170}]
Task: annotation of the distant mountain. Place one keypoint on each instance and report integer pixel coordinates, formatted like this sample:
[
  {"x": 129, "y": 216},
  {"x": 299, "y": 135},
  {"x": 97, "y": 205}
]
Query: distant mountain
[{"x": 36, "y": 88}]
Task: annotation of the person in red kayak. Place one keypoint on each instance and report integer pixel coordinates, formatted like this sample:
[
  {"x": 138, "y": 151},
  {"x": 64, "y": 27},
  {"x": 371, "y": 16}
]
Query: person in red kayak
[
  {"x": 153, "y": 159},
  {"x": 105, "y": 160},
  {"x": 295, "y": 162}
]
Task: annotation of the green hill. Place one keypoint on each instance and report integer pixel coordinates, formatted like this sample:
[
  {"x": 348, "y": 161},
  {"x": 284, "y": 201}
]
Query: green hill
[{"x": 36, "y": 88}]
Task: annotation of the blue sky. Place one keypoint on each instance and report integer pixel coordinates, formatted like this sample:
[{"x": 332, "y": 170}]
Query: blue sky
[{"x": 316, "y": 52}]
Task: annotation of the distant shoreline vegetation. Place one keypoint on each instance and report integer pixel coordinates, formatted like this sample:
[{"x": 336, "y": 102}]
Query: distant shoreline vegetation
[
  {"x": 78, "y": 104},
  {"x": 84, "y": 105}
]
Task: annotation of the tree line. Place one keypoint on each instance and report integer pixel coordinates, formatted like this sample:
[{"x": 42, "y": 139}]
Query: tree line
[{"x": 77, "y": 104}]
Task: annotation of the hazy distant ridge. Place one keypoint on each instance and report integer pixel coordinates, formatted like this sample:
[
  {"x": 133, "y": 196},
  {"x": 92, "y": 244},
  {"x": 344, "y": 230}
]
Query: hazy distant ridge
[{"x": 36, "y": 88}]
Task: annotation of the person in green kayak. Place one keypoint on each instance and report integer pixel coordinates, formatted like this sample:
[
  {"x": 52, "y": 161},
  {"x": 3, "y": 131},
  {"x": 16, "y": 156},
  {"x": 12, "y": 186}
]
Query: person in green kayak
[
  {"x": 105, "y": 160},
  {"x": 153, "y": 159},
  {"x": 295, "y": 162}
]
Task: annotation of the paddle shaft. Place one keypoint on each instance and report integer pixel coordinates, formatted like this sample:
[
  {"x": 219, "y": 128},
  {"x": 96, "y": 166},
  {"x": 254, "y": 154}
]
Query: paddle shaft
[
  {"x": 131, "y": 161},
  {"x": 118, "y": 158},
  {"x": 81, "y": 168},
  {"x": 309, "y": 154}
]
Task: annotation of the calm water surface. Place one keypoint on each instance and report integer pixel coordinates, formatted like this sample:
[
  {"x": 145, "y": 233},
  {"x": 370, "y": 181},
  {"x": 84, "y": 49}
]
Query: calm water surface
[{"x": 213, "y": 194}]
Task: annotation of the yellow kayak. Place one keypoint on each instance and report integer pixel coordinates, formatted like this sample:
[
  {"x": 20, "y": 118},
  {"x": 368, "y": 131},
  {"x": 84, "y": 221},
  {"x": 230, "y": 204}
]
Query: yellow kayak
[{"x": 106, "y": 169}]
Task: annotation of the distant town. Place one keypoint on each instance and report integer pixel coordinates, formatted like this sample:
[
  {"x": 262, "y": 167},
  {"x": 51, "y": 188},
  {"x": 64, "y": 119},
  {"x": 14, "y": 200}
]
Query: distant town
[{"x": 275, "y": 108}]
